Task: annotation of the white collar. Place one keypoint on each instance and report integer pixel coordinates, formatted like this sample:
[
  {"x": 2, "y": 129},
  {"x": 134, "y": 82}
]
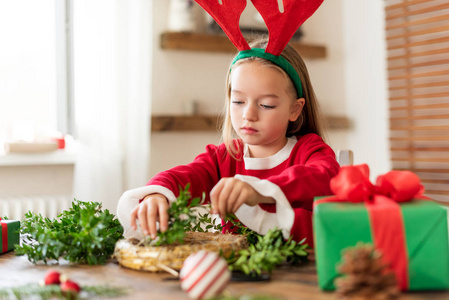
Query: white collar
[{"x": 253, "y": 163}]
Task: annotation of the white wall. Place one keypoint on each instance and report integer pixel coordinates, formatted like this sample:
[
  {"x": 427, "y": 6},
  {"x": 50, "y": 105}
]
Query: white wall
[
  {"x": 365, "y": 83},
  {"x": 326, "y": 27},
  {"x": 181, "y": 76}
]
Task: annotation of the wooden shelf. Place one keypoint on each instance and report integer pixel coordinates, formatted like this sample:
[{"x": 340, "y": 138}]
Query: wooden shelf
[
  {"x": 166, "y": 123},
  {"x": 184, "y": 123},
  {"x": 220, "y": 43}
]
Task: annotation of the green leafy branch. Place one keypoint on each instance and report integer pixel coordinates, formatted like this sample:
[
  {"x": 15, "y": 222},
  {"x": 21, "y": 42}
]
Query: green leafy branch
[
  {"x": 35, "y": 291},
  {"x": 238, "y": 228},
  {"x": 82, "y": 234},
  {"x": 181, "y": 218},
  {"x": 204, "y": 222},
  {"x": 267, "y": 253}
]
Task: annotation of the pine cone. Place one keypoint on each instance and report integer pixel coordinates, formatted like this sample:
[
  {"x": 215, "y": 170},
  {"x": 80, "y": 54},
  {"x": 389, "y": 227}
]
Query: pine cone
[{"x": 365, "y": 276}]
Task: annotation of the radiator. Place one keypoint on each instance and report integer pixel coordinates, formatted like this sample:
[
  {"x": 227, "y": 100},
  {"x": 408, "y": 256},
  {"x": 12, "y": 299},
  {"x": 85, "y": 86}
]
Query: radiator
[{"x": 48, "y": 206}]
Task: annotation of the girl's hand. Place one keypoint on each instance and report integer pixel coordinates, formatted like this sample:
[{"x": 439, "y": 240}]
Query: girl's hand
[
  {"x": 229, "y": 194},
  {"x": 153, "y": 208}
]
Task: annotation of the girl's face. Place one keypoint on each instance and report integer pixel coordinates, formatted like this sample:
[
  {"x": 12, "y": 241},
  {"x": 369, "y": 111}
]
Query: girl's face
[{"x": 261, "y": 107}]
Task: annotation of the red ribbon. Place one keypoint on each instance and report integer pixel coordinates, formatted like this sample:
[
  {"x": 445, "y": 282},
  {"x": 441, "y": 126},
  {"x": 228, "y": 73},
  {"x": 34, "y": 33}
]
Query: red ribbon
[
  {"x": 4, "y": 236},
  {"x": 352, "y": 185}
]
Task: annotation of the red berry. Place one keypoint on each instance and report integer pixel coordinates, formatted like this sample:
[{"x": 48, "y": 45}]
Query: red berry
[
  {"x": 52, "y": 277},
  {"x": 70, "y": 286}
]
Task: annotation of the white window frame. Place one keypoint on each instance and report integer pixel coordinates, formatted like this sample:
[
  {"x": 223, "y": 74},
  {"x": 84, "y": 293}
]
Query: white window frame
[{"x": 64, "y": 67}]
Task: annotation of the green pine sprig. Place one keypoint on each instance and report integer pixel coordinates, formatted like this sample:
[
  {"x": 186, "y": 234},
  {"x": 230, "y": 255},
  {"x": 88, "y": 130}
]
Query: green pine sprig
[
  {"x": 205, "y": 222},
  {"x": 181, "y": 218},
  {"x": 270, "y": 251},
  {"x": 52, "y": 291},
  {"x": 82, "y": 234},
  {"x": 238, "y": 228}
]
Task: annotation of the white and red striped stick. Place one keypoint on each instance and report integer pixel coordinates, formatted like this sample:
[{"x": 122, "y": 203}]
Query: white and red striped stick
[{"x": 204, "y": 274}]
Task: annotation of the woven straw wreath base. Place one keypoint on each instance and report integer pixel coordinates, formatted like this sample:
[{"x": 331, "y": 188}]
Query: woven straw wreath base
[{"x": 131, "y": 254}]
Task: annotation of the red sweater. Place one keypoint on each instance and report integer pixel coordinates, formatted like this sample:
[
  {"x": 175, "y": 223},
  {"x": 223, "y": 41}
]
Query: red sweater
[{"x": 293, "y": 177}]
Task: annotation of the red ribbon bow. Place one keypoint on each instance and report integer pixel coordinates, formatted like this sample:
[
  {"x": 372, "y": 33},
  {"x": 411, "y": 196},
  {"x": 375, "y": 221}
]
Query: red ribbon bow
[
  {"x": 381, "y": 201},
  {"x": 352, "y": 184}
]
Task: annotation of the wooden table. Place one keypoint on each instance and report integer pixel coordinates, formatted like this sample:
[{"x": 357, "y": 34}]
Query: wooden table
[{"x": 287, "y": 282}]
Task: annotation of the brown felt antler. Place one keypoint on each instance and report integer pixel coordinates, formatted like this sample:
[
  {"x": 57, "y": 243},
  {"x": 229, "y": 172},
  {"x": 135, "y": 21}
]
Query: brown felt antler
[
  {"x": 227, "y": 15},
  {"x": 282, "y": 25}
]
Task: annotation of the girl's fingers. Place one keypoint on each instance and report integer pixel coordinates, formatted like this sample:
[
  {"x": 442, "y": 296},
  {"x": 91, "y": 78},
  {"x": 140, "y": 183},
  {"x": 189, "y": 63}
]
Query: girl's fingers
[
  {"x": 239, "y": 201},
  {"x": 152, "y": 208},
  {"x": 151, "y": 220},
  {"x": 228, "y": 195},
  {"x": 223, "y": 198},
  {"x": 214, "y": 195},
  {"x": 234, "y": 197},
  {"x": 163, "y": 217},
  {"x": 142, "y": 216}
]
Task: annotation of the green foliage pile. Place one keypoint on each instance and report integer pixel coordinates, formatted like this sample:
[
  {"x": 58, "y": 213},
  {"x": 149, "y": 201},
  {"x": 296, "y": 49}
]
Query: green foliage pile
[{"x": 83, "y": 234}]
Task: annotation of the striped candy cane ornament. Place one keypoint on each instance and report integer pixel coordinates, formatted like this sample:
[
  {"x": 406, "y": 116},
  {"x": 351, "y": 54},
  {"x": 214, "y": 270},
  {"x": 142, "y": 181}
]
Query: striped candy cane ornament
[{"x": 204, "y": 274}]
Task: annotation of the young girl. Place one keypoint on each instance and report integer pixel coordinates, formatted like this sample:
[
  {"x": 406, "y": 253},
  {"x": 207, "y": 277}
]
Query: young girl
[{"x": 270, "y": 174}]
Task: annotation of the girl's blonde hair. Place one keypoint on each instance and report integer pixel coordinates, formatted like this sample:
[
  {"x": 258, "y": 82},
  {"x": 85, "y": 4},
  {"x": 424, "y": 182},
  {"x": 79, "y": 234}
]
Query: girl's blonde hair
[{"x": 308, "y": 122}]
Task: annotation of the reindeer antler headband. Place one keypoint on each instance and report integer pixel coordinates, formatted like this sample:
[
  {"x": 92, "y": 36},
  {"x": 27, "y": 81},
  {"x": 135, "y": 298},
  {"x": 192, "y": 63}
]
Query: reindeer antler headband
[{"x": 281, "y": 27}]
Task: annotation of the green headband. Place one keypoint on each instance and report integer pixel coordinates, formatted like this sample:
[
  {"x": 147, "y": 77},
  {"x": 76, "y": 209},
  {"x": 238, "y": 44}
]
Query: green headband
[{"x": 277, "y": 60}]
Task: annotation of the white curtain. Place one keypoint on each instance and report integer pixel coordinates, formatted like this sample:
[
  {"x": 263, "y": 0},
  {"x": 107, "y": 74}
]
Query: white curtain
[{"x": 112, "y": 76}]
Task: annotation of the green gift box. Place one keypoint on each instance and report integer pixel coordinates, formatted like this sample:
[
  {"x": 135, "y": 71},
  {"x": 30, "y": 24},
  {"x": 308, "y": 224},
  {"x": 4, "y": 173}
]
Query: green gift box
[
  {"x": 338, "y": 225},
  {"x": 9, "y": 235}
]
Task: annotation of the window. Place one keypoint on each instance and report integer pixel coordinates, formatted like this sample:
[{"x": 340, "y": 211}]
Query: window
[
  {"x": 418, "y": 66},
  {"x": 34, "y": 67}
]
